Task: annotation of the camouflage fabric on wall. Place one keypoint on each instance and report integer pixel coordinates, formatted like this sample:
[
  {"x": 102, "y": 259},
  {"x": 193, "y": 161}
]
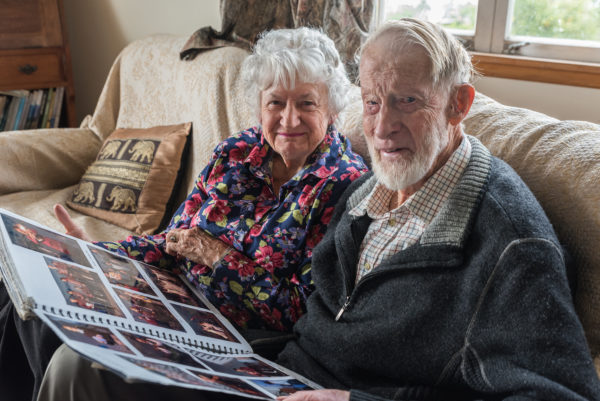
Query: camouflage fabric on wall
[{"x": 347, "y": 22}]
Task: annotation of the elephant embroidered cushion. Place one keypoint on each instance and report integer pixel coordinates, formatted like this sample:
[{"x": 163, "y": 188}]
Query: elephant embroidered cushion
[{"x": 131, "y": 183}]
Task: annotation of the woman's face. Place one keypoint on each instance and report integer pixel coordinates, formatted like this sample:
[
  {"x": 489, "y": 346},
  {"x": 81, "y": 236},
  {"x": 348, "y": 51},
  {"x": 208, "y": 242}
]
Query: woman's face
[{"x": 295, "y": 120}]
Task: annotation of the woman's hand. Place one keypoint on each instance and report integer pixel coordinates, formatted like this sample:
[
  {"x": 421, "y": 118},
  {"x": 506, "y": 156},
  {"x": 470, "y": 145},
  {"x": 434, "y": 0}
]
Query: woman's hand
[
  {"x": 70, "y": 227},
  {"x": 195, "y": 245},
  {"x": 318, "y": 395}
]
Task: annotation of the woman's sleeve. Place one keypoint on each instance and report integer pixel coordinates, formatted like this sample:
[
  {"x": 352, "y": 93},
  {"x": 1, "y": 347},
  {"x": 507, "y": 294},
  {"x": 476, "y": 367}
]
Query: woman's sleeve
[
  {"x": 150, "y": 248},
  {"x": 278, "y": 302}
]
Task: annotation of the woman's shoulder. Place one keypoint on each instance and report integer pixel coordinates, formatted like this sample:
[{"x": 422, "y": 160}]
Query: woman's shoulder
[
  {"x": 239, "y": 140},
  {"x": 347, "y": 155},
  {"x": 250, "y": 135},
  {"x": 337, "y": 161}
]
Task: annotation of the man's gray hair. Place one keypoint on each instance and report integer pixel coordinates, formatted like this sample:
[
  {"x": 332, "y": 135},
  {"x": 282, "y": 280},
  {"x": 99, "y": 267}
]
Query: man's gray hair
[
  {"x": 284, "y": 56},
  {"x": 450, "y": 62}
]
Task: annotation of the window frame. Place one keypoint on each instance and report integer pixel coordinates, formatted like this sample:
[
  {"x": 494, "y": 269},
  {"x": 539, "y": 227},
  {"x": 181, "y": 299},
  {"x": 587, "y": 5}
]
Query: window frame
[{"x": 556, "y": 61}]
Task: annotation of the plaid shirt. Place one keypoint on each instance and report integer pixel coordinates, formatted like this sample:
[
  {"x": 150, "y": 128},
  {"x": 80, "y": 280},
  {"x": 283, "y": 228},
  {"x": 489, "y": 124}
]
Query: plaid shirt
[{"x": 392, "y": 231}]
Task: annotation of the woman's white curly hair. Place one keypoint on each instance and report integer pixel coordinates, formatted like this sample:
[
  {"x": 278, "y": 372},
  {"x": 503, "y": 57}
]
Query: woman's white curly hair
[{"x": 286, "y": 56}]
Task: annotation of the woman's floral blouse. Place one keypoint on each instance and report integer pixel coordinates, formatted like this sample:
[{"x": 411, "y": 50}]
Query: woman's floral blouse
[{"x": 265, "y": 280}]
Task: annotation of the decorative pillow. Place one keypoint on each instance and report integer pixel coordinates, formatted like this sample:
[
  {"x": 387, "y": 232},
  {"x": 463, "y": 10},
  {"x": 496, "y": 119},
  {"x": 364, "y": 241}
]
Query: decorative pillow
[{"x": 131, "y": 183}]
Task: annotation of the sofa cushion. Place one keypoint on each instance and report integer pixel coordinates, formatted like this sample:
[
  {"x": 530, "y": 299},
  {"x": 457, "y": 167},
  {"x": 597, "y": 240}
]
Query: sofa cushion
[
  {"x": 38, "y": 206},
  {"x": 132, "y": 180},
  {"x": 559, "y": 162}
]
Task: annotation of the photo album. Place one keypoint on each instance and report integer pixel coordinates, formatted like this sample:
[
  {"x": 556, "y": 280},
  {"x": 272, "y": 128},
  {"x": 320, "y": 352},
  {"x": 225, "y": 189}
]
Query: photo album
[{"x": 142, "y": 322}]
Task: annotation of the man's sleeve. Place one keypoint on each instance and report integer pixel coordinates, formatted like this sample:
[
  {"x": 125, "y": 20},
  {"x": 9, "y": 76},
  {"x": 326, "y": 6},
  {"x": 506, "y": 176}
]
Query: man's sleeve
[{"x": 525, "y": 339}]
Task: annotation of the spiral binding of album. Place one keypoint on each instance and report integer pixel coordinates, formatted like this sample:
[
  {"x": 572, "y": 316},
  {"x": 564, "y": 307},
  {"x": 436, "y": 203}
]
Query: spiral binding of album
[{"x": 157, "y": 333}]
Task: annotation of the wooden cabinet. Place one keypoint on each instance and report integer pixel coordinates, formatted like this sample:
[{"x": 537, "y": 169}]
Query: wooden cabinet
[{"x": 34, "y": 51}]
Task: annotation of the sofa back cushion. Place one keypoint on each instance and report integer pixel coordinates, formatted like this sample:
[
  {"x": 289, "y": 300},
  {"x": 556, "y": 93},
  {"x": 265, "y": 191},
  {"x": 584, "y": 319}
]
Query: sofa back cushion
[{"x": 560, "y": 162}]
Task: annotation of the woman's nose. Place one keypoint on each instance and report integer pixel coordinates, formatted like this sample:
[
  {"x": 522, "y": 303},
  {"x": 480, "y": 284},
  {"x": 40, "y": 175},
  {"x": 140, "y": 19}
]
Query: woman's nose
[{"x": 290, "y": 116}]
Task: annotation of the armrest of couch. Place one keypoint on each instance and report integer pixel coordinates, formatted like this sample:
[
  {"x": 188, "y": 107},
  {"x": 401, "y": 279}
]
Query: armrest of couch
[{"x": 45, "y": 158}]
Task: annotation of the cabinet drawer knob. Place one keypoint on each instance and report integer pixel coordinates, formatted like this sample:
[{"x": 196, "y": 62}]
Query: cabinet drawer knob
[{"x": 28, "y": 69}]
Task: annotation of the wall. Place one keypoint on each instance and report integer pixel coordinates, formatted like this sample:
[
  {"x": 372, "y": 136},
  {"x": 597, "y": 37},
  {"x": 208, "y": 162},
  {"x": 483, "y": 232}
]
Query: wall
[
  {"x": 99, "y": 29},
  {"x": 559, "y": 101}
]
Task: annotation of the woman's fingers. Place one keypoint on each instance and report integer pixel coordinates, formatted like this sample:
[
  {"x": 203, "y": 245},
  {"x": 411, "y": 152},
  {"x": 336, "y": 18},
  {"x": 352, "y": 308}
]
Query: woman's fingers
[
  {"x": 194, "y": 245},
  {"x": 63, "y": 216},
  {"x": 70, "y": 227},
  {"x": 172, "y": 239}
]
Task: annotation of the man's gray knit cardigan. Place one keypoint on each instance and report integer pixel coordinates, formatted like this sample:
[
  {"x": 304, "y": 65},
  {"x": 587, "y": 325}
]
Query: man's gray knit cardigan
[{"x": 479, "y": 308}]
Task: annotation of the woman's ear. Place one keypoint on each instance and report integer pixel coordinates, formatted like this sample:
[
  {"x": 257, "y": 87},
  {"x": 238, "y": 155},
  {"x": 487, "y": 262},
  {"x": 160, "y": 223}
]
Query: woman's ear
[
  {"x": 460, "y": 103},
  {"x": 332, "y": 119}
]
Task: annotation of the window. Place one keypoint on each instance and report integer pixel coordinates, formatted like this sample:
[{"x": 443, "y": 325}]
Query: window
[
  {"x": 459, "y": 16},
  {"x": 540, "y": 40}
]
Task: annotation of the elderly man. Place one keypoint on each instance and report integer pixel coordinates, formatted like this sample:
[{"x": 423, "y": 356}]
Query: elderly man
[{"x": 439, "y": 277}]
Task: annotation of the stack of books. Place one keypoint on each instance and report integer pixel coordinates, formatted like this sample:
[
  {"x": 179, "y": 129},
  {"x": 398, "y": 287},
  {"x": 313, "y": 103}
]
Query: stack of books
[{"x": 30, "y": 109}]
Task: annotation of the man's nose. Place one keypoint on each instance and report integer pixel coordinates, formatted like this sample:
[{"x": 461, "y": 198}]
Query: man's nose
[
  {"x": 290, "y": 116},
  {"x": 384, "y": 123}
]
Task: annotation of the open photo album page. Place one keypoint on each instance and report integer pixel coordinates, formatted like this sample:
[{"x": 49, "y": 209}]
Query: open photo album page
[{"x": 141, "y": 321}]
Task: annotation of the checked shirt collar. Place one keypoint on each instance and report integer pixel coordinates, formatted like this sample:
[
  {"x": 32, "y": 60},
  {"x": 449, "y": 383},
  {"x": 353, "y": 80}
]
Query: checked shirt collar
[{"x": 426, "y": 202}]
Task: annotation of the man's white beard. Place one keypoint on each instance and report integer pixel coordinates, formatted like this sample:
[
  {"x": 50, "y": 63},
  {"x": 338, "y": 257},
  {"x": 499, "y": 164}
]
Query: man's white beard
[{"x": 408, "y": 170}]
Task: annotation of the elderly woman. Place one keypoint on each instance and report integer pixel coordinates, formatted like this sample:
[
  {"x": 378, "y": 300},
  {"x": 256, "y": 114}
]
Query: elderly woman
[{"x": 245, "y": 234}]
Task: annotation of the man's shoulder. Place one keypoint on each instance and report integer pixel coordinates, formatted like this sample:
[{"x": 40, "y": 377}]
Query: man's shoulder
[
  {"x": 505, "y": 193},
  {"x": 505, "y": 184},
  {"x": 508, "y": 195}
]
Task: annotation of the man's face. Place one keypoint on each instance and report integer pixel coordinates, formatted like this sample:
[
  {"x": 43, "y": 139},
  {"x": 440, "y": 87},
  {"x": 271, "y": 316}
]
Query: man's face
[{"x": 403, "y": 115}]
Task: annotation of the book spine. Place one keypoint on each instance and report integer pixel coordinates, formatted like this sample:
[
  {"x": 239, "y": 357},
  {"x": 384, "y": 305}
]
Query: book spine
[
  {"x": 12, "y": 112},
  {"x": 40, "y": 110},
  {"x": 25, "y": 113},
  {"x": 3, "y": 110},
  {"x": 47, "y": 108},
  {"x": 27, "y": 120},
  {"x": 19, "y": 112},
  {"x": 32, "y": 109},
  {"x": 54, "y": 121}
]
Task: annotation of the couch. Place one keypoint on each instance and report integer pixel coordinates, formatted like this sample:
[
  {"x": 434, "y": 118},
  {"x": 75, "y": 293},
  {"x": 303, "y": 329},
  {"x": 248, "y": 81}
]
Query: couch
[{"x": 148, "y": 85}]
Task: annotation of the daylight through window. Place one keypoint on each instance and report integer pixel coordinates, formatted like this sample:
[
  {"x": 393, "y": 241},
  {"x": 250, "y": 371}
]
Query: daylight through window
[{"x": 554, "y": 29}]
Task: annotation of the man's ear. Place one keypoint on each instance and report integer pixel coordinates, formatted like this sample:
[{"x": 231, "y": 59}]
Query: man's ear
[{"x": 460, "y": 103}]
